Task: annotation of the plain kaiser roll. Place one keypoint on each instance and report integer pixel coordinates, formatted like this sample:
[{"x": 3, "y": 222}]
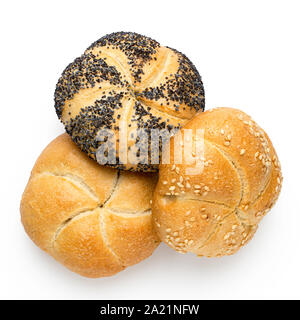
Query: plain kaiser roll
[
  {"x": 93, "y": 219},
  {"x": 126, "y": 81},
  {"x": 215, "y": 212}
]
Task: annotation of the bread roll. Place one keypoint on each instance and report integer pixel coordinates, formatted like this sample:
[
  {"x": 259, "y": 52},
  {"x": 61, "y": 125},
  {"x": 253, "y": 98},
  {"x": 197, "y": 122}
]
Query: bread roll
[
  {"x": 216, "y": 211},
  {"x": 93, "y": 219},
  {"x": 127, "y": 81}
]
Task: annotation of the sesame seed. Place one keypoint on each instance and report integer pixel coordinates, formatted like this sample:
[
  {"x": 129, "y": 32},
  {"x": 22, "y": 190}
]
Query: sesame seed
[
  {"x": 226, "y": 236},
  {"x": 278, "y": 180},
  {"x": 242, "y": 152},
  {"x": 172, "y": 188}
]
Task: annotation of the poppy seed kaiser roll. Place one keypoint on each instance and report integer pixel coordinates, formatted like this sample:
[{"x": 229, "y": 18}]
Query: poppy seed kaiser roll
[
  {"x": 217, "y": 210},
  {"x": 127, "y": 80},
  {"x": 93, "y": 219}
]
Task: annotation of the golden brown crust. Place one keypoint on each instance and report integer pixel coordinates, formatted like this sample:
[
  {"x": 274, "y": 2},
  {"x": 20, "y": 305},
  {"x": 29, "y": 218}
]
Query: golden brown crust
[
  {"x": 130, "y": 235},
  {"x": 217, "y": 210},
  {"x": 93, "y": 219},
  {"x": 80, "y": 246},
  {"x": 126, "y": 78}
]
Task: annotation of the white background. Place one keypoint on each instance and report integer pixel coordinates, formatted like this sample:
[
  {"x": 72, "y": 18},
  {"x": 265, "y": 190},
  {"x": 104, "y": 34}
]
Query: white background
[{"x": 248, "y": 54}]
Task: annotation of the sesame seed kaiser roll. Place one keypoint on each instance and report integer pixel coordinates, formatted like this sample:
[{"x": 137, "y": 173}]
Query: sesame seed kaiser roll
[
  {"x": 217, "y": 210},
  {"x": 126, "y": 80},
  {"x": 93, "y": 219}
]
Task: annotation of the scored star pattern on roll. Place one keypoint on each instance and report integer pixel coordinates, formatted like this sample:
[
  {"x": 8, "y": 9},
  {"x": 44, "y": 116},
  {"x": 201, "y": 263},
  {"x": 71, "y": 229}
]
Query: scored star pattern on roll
[
  {"x": 95, "y": 220},
  {"x": 131, "y": 78},
  {"x": 217, "y": 211}
]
